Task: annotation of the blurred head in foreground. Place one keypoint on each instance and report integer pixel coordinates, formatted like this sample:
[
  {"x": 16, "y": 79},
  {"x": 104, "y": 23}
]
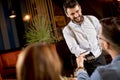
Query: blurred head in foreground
[
  {"x": 38, "y": 62},
  {"x": 110, "y": 35}
]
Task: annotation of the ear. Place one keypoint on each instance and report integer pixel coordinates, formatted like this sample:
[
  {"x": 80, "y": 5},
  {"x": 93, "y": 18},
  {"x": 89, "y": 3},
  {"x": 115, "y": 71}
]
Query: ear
[
  {"x": 106, "y": 45},
  {"x": 66, "y": 14}
]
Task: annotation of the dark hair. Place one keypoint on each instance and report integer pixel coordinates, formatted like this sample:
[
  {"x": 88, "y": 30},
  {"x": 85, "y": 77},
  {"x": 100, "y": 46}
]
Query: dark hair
[
  {"x": 69, "y": 4},
  {"x": 111, "y": 31}
]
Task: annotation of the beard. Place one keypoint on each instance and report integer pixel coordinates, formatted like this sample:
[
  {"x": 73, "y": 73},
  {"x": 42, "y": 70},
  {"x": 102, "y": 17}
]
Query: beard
[
  {"x": 104, "y": 52},
  {"x": 78, "y": 19}
]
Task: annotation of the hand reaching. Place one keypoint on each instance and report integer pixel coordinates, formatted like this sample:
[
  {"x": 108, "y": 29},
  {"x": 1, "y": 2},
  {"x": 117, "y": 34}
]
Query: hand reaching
[{"x": 80, "y": 60}]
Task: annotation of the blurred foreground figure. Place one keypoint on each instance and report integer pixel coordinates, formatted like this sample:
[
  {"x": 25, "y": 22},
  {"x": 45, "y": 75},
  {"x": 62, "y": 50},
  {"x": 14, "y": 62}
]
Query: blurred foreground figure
[
  {"x": 38, "y": 62},
  {"x": 110, "y": 41}
]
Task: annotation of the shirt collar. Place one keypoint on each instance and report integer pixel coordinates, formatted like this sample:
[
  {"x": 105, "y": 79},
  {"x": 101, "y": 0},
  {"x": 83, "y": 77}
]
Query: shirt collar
[{"x": 72, "y": 24}]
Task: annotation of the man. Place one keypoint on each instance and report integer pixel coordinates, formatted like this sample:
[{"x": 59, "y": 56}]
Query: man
[
  {"x": 81, "y": 35},
  {"x": 110, "y": 41}
]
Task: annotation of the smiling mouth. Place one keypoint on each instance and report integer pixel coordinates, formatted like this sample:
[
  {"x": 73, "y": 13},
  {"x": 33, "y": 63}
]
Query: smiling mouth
[{"x": 77, "y": 19}]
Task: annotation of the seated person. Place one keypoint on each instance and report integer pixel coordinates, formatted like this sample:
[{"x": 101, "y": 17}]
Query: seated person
[
  {"x": 109, "y": 36},
  {"x": 38, "y": 62}
]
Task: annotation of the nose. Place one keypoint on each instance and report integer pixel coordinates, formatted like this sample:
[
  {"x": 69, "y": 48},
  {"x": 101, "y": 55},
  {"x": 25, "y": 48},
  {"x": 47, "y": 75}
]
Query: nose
[{"x": 76, "y": 15}]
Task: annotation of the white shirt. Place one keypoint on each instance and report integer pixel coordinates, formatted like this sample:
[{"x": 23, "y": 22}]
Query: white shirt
[{"x": 86, "y": 36}]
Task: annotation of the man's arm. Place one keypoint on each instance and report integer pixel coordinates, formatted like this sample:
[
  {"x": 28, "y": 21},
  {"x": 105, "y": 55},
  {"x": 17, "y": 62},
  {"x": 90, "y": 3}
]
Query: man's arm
[
  {"x": 83, "y": 75},
  {"x": 81, "y": 72},
  {"x": 71, "y": 42}
]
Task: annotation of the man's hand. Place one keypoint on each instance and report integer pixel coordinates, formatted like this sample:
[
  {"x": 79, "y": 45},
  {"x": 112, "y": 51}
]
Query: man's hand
[{"x": 80, "y": 60}]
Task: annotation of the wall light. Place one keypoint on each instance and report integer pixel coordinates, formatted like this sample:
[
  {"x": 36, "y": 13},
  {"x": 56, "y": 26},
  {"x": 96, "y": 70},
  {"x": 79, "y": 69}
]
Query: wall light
[
  {"x": 12, "y": 14},
  {"x": 26, "y": 17}
]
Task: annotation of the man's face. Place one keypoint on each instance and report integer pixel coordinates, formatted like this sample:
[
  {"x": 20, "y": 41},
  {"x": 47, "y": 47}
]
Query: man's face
[{"x": 74, "y": 14}]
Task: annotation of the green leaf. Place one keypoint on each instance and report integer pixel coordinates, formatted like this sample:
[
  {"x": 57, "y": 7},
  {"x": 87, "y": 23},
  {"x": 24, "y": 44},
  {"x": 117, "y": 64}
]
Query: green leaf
[{"x": 40, "y": 31}]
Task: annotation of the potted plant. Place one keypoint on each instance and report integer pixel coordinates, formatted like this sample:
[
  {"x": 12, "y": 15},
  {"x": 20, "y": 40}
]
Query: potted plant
[{"x": 40, "y": 30}]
